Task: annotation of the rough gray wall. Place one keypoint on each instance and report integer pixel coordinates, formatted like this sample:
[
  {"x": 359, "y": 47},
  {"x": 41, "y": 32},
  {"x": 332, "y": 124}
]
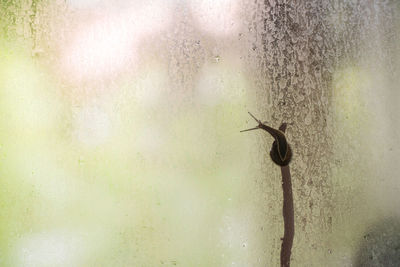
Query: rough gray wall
[{"x": 310, "y": 57}]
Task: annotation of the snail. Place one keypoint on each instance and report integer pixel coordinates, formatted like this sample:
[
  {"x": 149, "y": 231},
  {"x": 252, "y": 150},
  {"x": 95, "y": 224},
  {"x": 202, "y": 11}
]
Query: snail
[{"x": 280, "y": 153}]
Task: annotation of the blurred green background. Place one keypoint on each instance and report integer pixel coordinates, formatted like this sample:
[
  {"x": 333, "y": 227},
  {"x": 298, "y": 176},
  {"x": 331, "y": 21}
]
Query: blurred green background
[{"x": 120, "y": 143}]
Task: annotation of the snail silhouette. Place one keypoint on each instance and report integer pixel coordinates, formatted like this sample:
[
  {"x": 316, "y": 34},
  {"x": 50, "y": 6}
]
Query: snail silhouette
[{"x": 280, "y": 153}]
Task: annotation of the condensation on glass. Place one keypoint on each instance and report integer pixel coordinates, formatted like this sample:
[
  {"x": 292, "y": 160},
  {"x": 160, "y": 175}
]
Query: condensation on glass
[{"x": 120, "y": 143}]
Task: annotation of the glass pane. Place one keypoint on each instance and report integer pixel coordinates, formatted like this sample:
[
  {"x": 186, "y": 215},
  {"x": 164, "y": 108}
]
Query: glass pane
[{"x": 120, "y": 139}]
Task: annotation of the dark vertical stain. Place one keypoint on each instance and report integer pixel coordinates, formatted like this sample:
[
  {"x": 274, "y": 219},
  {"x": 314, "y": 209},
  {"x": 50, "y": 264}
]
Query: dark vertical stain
[
  {"x": 288, "y": 216},
  {"x": 288, "y": 213}
]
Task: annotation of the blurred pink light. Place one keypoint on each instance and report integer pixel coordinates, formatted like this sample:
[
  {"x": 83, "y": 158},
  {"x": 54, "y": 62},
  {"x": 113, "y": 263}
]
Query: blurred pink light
[
  {"x": 99, "y": 49},
  {"x": 108, "y": 45},
  {"x": 218, "y": 17}
]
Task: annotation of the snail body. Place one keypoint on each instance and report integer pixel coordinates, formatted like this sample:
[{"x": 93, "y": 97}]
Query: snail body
[
  {"x": 280, "y": 152},
  {"x": 274, "y": 153}
]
